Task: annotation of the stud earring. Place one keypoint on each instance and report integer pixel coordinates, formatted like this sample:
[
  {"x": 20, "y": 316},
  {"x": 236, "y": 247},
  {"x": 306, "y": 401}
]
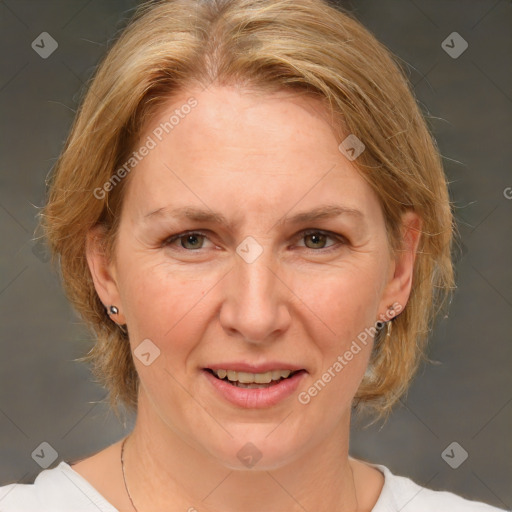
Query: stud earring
[{"x": 113, "y": 310}]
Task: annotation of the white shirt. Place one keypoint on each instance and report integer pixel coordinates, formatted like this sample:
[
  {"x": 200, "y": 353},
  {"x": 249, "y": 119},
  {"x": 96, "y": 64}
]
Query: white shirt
[{"x": 62, "y": 489}]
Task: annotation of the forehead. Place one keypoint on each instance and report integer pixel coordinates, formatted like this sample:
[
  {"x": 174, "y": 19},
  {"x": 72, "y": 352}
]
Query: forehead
[
  {"x": 230, "y": 120},
  {"x": 251, "y": 151}
]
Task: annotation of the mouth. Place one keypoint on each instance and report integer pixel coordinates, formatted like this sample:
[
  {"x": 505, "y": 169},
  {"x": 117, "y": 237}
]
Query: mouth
[{"x": 253, "y": 380}]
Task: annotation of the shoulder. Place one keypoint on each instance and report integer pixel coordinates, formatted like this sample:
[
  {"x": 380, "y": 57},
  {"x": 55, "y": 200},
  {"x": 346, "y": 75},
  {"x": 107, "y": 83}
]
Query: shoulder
[
  {"x": 402, "y": 493},
  {"x": 54, "y": 490}
]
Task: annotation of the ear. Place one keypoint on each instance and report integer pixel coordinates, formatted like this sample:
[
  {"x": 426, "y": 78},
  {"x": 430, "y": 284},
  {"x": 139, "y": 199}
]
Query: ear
[
  {"x": 398, "y": 287},
  {"x": 103, "y": 272}
]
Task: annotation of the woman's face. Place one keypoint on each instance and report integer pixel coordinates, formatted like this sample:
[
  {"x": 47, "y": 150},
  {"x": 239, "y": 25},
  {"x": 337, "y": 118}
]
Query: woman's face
[{"x": 255, "y": 284}]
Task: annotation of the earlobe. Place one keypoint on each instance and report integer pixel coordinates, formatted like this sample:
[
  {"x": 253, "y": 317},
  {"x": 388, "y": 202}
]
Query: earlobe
[{"x": 102, "y": 271}]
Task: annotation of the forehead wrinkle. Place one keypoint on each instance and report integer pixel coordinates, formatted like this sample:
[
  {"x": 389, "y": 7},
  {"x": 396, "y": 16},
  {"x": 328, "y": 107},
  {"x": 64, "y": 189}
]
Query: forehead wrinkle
[{"x": 202, "y": 215}]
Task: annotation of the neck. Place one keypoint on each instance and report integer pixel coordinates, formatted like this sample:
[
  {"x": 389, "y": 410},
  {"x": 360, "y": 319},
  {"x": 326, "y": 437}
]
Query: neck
[{"x": 164, "y": 471}]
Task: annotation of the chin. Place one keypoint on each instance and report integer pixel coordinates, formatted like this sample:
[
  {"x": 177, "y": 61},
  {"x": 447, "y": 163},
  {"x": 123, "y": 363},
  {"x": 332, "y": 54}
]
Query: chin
[{"x": 255, "y": 450}]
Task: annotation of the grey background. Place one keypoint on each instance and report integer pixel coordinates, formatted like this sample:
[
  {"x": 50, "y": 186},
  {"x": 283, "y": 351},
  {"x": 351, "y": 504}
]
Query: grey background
[{"x": 45, "y": 396}]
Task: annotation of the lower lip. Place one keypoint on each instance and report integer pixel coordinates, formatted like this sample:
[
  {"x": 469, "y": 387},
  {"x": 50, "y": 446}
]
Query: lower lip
[{"x": 256, "y": 398}]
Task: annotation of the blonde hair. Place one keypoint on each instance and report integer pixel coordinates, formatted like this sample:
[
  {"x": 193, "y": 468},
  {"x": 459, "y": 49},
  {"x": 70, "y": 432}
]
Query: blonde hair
[{"x": 304, "y": 46}]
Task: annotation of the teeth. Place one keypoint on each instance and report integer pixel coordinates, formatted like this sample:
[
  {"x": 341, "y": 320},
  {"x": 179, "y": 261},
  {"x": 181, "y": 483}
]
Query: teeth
[{"x": 249, "y": 378}]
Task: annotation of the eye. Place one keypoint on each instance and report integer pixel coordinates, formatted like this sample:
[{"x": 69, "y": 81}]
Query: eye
[
  {"x": 194, "y": 240},
  {"x": 319, "y": 238},
  {"x": 191, "y": 240}
]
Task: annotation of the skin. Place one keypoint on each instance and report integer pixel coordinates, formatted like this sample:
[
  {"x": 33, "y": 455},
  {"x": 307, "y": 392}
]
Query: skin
[{"x": 256, "y": 159}]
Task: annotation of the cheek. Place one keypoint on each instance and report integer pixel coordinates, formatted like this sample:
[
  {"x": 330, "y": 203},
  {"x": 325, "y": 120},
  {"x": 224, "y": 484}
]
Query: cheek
[
  {"x": 159, "y": 304},
  {"x": 346, "y": 310},
  {"x": 155, "y": 295},
  {"x": 345, "y": 300},
  {"x": 349, "y": 307}
]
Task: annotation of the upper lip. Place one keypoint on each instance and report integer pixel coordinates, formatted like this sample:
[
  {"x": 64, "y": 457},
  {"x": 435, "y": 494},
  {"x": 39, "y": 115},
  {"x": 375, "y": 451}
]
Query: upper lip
[{"x": 255, "y": 368}]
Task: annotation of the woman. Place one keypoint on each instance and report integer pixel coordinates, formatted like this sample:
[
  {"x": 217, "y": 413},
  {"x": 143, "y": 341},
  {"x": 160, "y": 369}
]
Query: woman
[{"x": 253, "y": 217}]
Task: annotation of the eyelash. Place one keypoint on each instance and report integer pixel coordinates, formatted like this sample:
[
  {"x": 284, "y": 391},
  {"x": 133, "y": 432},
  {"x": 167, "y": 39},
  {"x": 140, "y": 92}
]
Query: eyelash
[{"x": 340, "y": 239}]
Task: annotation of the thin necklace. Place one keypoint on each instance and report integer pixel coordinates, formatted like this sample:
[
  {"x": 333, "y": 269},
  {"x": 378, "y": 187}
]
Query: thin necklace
[
  {"x": 124, "y": 477},
  {"x": 355, "y": 490},
  {"x": 135, "y": 508}
]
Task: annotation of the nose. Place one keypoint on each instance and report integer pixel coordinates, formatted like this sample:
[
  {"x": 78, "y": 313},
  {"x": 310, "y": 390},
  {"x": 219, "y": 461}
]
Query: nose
[{"x": 256, "y": 302}]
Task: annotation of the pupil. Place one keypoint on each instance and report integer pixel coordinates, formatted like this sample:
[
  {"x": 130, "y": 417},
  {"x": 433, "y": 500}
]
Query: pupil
[
  {"x": 316, "y": 238},
  {"x": 191, "y": 239}
]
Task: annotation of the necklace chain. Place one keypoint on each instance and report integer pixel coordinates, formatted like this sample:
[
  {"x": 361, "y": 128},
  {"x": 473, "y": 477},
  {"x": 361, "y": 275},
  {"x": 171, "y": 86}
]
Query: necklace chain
[
  {"x": 124, "y": 476},
  {"x": 135, "y": 508}
]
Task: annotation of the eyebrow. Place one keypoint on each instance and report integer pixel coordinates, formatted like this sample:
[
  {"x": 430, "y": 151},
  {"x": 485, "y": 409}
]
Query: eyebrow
[{"x": 328, "y": 211}]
